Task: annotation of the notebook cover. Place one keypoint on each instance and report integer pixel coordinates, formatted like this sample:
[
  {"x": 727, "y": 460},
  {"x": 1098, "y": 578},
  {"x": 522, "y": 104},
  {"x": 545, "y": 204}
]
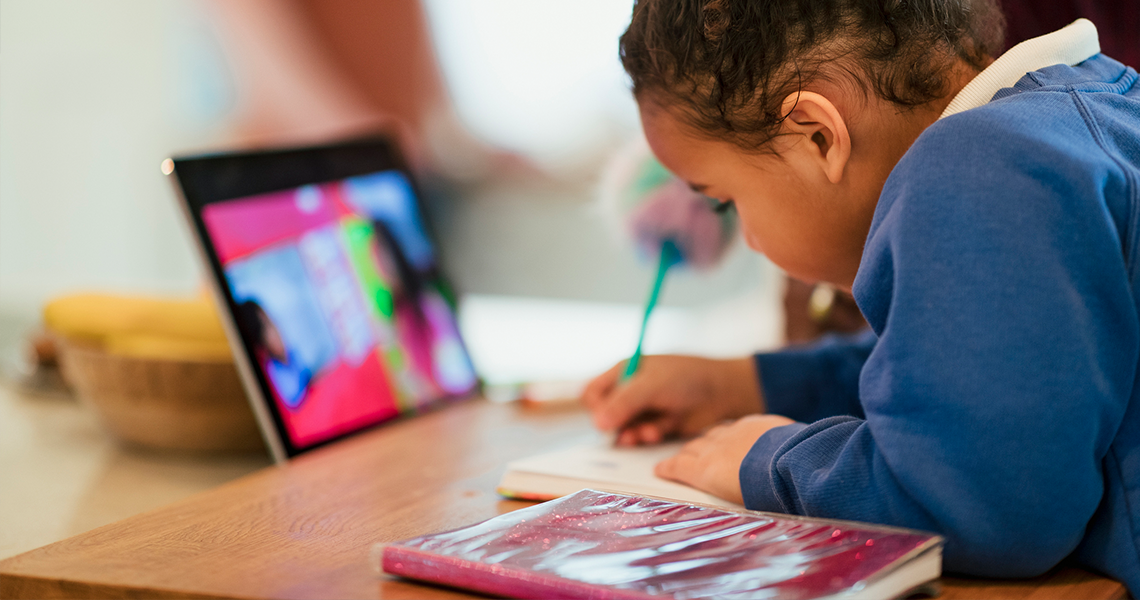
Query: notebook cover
[{"x": 613, "y": 546}]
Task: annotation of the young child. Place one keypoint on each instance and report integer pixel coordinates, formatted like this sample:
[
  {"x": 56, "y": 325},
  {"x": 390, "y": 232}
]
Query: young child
[{"x": 986, "y": 216}]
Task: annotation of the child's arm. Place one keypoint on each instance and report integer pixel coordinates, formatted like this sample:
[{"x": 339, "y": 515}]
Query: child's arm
[{"x": 820, "y": 380}]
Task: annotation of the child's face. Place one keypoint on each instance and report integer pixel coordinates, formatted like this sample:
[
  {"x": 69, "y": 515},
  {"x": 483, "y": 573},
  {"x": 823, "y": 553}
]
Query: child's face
[{"x": 811, "y": 227}]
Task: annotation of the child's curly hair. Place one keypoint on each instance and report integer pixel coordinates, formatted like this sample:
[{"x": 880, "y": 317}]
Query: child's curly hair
[{"x": 729, "y": 64}]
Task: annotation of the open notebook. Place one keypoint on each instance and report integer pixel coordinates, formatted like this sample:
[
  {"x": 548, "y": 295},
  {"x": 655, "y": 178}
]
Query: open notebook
[{"x": 597, "y": 464}]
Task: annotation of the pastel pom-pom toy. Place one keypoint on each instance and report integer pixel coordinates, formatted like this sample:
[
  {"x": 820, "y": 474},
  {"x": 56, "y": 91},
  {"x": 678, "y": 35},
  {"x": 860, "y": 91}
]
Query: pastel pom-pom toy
[{"x": 649, "y": 205}]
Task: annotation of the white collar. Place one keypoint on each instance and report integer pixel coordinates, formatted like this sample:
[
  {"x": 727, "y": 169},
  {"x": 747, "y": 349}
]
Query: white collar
[{"x": 1075, "y": 43}]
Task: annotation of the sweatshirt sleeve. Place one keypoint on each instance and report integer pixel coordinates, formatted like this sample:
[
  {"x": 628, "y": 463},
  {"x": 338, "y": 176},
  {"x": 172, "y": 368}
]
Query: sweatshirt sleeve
[
  {"x": 816, "y": 381},
  {"x": 1006, "y": 354}
]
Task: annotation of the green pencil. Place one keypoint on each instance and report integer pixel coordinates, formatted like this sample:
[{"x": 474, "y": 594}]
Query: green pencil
[{"x": 670, "y": 255}]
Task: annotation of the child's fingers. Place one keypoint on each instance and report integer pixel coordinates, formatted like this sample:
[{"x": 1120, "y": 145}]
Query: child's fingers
[
  {"x": 689, "y": 466},
  {"x": 594, "y": 395},
  {"x": 677, "y": 468},
  {"x": 642, "y": 433},
  {"x": 626, "y": 437},
  {"x": 622, "y": 405},
  {"x": 649, "y": 433}
]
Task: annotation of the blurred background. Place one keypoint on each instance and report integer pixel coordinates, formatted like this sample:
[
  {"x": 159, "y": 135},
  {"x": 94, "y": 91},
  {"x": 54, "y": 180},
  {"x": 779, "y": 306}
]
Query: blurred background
[{"x": 509, "y": 108}]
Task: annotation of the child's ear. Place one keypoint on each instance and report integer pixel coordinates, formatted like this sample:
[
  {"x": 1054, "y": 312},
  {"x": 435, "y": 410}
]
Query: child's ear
[{"x": 816, "y": 119}]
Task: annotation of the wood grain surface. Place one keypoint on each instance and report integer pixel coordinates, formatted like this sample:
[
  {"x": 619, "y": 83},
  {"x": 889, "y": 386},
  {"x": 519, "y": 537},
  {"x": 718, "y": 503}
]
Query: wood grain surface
[{"x": 308, "y": 529}]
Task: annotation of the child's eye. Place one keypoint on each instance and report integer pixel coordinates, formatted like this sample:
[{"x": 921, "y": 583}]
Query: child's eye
[{"x": 725, "y": 206}]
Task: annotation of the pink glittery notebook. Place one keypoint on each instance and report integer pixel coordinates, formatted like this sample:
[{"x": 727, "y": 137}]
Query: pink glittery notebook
[{"x": 601, "y": 546}]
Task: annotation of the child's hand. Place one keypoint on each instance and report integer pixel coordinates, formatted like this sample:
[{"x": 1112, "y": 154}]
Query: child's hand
[
  {"x": 672, "y": 395},
  {"x": 712, "y": 462}
]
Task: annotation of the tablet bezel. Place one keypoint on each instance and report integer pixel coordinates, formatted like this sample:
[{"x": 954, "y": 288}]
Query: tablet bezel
[{"x": 201, "y": 180}]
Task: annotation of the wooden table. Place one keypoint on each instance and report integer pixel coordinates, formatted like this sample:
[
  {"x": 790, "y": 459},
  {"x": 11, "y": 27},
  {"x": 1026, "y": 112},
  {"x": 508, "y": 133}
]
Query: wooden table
[{"x": 306, "y": 530}]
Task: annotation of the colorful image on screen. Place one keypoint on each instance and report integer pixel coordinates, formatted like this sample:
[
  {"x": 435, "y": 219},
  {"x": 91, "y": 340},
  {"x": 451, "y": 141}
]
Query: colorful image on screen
[{"x": 338, "y": 291}]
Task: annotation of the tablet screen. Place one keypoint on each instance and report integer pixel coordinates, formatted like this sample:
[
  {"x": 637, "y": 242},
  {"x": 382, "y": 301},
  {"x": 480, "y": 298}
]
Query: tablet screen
[{"x": 336, "y": 291}]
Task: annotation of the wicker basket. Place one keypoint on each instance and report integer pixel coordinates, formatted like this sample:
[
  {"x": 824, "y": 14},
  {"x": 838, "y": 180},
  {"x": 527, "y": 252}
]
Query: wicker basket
[{"x": 162, "y": 403}]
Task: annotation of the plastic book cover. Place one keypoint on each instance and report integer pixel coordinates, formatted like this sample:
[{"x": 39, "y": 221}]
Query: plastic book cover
[{"x": 603, "y": 545}]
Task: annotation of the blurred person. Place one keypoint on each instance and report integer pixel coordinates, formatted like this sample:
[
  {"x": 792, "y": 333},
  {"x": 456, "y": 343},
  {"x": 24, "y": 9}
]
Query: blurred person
[{"x": 288, "y": 375}]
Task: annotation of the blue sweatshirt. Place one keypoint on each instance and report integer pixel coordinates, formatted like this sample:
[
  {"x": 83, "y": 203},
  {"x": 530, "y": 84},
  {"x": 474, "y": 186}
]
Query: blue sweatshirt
[{"x": 996, "y": 400}]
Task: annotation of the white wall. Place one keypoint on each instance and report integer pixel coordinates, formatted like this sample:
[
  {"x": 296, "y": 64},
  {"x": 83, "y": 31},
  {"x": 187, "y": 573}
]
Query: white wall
[
  {"x": 540, "y": 78},
  {"x": 93, "y": 95}
]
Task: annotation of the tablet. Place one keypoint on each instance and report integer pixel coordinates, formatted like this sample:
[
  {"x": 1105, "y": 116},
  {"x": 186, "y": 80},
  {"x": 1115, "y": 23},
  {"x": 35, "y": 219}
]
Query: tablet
[{"x": 329, "y": 284}]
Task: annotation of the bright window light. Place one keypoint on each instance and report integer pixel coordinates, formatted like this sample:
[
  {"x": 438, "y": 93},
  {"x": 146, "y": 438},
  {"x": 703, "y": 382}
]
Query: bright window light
[{"x": 540, "y": 78}]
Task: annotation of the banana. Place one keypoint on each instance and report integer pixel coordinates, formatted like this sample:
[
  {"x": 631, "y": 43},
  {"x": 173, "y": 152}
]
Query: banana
[{"x": 140, "y": 326}]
